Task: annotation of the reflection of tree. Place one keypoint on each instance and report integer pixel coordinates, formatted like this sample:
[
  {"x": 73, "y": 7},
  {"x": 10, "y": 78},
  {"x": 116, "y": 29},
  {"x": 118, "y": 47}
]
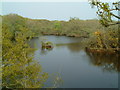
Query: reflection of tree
[
  {"x": 73, "y": 47},
  {"x": 45, "y": 51},
  {"x": 109, "y": 62},
  {"x": 57, "y": 80}
]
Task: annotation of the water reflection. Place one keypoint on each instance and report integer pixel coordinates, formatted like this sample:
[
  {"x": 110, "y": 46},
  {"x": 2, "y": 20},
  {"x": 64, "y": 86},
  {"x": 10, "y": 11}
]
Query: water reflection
[
  {"x": 44, "y": 51},
  {"x": 106, "y": 61},
  {"x": 73, "y": 47},
  {"x": 57, "y": 80},
  {"x": 77, "y": 72}
]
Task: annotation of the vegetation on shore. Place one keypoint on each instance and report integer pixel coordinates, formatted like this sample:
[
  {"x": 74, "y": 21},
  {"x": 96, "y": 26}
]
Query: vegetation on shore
[
  {"x": 19, "y": 68},
  {"x": 106, "y": 13},
  {"x": 97, "y": 35}
]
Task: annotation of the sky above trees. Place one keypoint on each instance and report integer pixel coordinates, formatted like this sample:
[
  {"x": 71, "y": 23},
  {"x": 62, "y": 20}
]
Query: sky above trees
[{"x": 50, "y": 10}]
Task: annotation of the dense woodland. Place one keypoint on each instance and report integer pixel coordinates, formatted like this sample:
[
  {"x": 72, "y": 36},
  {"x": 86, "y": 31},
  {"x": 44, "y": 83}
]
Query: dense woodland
[
  {"x": 96, "y": 34},
  {"x": 19, "y": 70},
  {"x": 18, "y": 30}
]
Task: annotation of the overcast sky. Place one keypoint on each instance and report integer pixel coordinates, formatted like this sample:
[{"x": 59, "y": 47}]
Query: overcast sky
[{"x": 50, "y": 10}]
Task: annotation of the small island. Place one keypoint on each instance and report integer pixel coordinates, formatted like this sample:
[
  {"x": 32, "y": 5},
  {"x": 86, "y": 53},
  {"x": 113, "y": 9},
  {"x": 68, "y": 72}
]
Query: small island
[{"x": 47, "y": 45}]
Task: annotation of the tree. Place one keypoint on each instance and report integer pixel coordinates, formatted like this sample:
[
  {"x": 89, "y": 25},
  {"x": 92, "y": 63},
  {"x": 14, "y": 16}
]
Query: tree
[
  {"x": 57, "y": 25},
  {"x": 106, "y": 12},
  {"x": 19, "y": 70}
]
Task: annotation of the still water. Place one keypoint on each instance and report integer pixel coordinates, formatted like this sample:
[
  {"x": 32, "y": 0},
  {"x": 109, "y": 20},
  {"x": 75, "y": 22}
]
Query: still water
[{"x": 69, "y": 66}]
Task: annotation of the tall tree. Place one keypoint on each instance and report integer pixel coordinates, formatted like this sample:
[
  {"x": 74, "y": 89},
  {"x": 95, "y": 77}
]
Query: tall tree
[
  {"x": 107, "y": 12},
  {"x": 19, "y": 70}
]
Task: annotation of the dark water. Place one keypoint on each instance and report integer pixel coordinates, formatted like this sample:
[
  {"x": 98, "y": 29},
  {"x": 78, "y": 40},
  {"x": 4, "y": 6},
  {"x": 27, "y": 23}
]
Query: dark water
[{"x": 69, "y": 66}]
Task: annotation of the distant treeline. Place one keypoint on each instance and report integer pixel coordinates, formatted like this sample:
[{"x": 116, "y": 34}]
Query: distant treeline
[{"x": 74, "y": 28}]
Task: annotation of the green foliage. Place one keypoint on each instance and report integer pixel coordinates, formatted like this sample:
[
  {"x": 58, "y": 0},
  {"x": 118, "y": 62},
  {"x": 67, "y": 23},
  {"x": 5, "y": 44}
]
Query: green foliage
[
  {"x": 47, "y": 45},
  {"x": 106, "y": 39},
  {"x": 107, "y": 12},
  {"x": 74, "y": 27},
  {"x": 19, "y": 70},
  {"x": 57, "y": 25}
]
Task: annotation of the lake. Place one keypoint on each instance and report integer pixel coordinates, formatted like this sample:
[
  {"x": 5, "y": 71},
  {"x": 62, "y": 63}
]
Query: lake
[{"x": 70, "y": 66}]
